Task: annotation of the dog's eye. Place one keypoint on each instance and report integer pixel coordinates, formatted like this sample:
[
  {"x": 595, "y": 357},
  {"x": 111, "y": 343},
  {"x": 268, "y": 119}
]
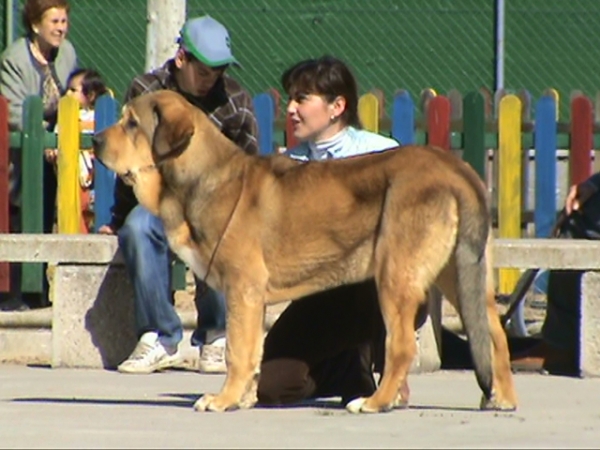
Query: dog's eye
[{"x": 131, "y": 122}]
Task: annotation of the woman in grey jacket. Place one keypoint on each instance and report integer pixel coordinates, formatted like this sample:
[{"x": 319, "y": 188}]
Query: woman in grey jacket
[{"x": 38, "y": 63}]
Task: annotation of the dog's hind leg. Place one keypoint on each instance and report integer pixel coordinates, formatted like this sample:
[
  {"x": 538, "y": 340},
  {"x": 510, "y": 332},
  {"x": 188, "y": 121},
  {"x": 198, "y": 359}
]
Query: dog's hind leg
[
  {"x": 245, "y": 317},
  {"x": 505, "y": 397},
  {"x": 502, "y": 394}
]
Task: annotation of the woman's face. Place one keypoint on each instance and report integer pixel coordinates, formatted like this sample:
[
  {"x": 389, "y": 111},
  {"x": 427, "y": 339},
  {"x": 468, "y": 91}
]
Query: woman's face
[
  {"x": 314, "y": 118},
  {"x": 52, "y": 28}
]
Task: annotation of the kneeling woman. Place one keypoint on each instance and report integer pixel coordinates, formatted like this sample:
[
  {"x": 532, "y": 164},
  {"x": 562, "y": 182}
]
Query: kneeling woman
[{"x": 325, "y": 344}]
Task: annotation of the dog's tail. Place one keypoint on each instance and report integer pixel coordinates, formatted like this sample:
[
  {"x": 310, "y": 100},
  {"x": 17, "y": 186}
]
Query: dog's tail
[{"x": 473, "y": 232}]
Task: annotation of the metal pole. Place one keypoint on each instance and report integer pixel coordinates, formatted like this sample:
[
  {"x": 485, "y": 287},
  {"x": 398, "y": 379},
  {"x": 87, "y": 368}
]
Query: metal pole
[
  {"x": 9, "y": 25},
  {"x": 499, "y": 44},
  {"x": 161, "y": 34}
]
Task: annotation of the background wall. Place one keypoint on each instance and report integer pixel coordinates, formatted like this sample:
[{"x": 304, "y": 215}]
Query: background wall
[{"x": 390, "y": 44}]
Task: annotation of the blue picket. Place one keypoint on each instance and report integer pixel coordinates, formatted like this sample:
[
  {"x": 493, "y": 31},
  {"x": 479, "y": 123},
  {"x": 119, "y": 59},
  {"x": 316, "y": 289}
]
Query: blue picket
[
  {"x": 104, "y": 179},
  {"x": 403, "y": 118},
  {"x": 544, "y": 214},
  {"x": 264, "y": 109},
  {"x": 545, "y": 166}
]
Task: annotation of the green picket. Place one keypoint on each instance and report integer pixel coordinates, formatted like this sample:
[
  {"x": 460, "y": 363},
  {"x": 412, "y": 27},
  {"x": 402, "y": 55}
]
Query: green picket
[
  {"x": 32, "y": 187},
  {"x": 474, "y": 132}
]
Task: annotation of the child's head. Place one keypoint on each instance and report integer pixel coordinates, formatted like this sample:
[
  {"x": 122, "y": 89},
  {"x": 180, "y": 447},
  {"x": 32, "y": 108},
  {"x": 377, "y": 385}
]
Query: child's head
[{"x": 86, "y": 85}]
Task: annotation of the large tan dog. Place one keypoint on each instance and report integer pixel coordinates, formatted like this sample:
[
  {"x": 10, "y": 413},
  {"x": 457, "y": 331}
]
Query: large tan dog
[{"x": 267, "y": 229}]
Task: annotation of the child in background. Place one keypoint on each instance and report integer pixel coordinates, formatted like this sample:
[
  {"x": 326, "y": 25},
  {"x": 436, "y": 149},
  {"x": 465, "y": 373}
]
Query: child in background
[{"x": 86, "y": 85}]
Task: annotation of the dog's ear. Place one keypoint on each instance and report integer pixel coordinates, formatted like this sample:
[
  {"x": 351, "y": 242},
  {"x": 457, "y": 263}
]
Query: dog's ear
[{"x": 174, "y": 127}]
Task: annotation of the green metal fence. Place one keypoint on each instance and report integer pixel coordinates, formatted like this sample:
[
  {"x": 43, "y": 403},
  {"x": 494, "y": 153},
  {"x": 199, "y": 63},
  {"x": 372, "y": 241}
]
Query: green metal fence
[{"x": 390, "y": 44}]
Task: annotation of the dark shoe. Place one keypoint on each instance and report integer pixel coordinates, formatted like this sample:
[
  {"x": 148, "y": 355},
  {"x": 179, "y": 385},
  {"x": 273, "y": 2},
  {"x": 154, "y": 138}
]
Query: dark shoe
[
  {"x": 544, "y": 357},
  {"x": 13, "y": 304}
]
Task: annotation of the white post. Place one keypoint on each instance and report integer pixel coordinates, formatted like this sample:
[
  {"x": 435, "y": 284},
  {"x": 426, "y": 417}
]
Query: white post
[{"x": 165, "y": 19}]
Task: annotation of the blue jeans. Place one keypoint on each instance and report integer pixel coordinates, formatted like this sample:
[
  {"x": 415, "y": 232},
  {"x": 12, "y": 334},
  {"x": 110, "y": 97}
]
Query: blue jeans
[{"x": 145, "y": 248}]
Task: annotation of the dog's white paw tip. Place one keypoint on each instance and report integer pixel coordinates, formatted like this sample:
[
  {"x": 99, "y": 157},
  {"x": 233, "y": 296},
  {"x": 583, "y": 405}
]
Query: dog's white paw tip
[
  {"x": 355, "y": 406},
  {"x": 203, "y": 403}
]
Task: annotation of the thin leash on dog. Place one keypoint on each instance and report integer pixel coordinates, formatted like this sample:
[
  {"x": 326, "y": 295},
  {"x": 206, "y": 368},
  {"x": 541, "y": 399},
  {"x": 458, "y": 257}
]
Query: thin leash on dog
[{"x": 214, "y": 253}]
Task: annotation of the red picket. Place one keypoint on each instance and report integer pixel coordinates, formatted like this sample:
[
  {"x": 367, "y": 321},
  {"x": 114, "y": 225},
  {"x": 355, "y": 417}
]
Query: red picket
[
  {"x": 290, "y": 139},
  {"x": 488, "y": 102},
  {"x": 582, "y": 139},
  {"x": 438, "y": 122},
  {"x": 276, "y": 101},
  {"x": 4, "y": 208}
]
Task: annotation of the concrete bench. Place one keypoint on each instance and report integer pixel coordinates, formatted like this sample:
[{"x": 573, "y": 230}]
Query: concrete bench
[
  {"x": 91, "y": 318},
  {"x": 90, "y": 323}
]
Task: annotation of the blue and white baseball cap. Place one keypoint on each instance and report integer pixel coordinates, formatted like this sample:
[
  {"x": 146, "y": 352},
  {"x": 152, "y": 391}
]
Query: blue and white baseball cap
[{"x": 208, "y": 41}]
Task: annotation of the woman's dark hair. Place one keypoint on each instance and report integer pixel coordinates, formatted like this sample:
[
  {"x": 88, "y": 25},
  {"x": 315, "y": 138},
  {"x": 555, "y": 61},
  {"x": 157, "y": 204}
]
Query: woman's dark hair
[
  {"x": 34, "y": 10},
  {"x": 92, "y": 84},
  {"x": 326, "y": 76}
]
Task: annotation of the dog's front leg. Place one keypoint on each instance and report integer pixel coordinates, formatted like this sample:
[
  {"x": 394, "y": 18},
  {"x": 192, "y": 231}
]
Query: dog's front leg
[{"x": 245, "y": 317}]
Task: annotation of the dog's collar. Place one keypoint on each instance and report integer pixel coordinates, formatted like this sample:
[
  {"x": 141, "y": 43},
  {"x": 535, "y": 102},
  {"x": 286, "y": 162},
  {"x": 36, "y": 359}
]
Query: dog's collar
[{"x": 130, "y": 176}]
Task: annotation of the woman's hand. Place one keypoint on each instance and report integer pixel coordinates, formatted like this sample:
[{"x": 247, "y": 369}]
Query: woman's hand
[
  {"x": 578, "y": 195},
  {"x": 106, "y": 229}
]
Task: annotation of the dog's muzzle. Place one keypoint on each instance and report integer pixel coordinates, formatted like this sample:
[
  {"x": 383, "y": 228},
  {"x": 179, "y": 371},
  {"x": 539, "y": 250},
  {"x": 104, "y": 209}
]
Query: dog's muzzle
[{"x": 130, "y": 176}]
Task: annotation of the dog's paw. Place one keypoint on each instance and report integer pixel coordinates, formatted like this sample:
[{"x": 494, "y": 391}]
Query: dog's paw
[
  {"x": 400, "y": 402},
  {"x": 215, "y": 403},
  {"x": 361, "y": 405},
  {"x": 493, "y": 404}
]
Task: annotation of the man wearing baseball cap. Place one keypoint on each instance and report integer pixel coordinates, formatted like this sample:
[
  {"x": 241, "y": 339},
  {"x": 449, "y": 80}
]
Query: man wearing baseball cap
[{"x": 198, "y": 73}]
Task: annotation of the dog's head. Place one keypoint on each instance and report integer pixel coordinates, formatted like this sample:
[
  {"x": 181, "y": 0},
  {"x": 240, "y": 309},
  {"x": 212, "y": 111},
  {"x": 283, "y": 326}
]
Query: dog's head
[{"x": 153, "y": 127}]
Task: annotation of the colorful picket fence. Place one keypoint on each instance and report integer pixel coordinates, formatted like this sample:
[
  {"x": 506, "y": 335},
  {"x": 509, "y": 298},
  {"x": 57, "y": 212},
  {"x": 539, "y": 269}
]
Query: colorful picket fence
[
  {"x": 473, "y": 124},
  {"x": 478, "y": 122}
]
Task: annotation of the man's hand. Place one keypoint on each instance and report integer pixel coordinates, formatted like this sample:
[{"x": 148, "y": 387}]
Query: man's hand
[
  {"x": 106, "y": 229},
  {"x": 578, "y": 195},
  {"x": 51, "y": 155}
]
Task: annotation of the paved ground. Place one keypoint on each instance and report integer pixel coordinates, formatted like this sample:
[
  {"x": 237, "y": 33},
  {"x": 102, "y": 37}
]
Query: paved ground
[{"x": 52, "y": 408}]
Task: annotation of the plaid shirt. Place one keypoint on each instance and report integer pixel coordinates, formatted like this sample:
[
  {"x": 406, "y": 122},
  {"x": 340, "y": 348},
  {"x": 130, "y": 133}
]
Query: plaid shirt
[{"x": 228, "y": 105}]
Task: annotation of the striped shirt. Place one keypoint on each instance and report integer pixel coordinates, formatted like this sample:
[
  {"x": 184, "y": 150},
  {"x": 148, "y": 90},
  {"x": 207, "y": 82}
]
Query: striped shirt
[{"x": 228, "y": 105}]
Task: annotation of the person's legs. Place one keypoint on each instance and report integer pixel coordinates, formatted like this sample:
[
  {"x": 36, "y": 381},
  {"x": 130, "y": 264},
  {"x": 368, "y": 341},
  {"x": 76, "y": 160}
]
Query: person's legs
[
  {"x": 320, "y": 346},
  {"x": 211, "y": 310},
  {"x": 145, "y": 249},
  {"x": 558, "y": 350},
  {"x": 560, "y": 328},
  {"x": 209, "y": 334}
]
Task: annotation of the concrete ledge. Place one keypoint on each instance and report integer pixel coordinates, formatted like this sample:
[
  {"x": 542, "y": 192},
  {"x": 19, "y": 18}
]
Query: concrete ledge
[
  {"x": 25, "y": 345},
  {"x": 60, "y": 248},
  {"x": 547, "y": 253},
  {"x": 101, "y": 249},
  {"x": 589, "y": 326},
  {"x": 92, "y": 316}
]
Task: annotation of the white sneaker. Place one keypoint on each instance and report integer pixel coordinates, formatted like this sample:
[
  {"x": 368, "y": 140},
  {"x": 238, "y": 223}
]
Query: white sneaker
[
  {"x": 212, "y": 357},
  {"x": 149, "y": 356}
]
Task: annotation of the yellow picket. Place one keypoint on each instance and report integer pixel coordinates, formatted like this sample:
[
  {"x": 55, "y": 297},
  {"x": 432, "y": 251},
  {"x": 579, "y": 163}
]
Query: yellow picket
[
  {"x": 68, "y": 199},
  {"x": 368, "y": 112},
  {"x": 509, "y": 180}
]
